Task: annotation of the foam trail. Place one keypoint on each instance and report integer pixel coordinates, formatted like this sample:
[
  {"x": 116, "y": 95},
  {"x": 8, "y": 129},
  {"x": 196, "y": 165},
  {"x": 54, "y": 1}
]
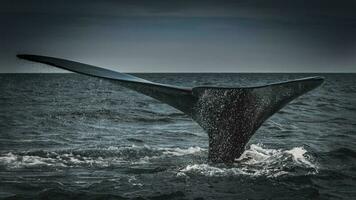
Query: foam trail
[{"x": 110, "y": 156}]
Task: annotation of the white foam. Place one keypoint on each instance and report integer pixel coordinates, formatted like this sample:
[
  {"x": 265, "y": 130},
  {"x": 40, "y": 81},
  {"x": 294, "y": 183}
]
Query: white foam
[
  {"x": 181, "y": 152},
  {"x": 59, "y": 160},
  {"x": 208, "y": 170},
  {"x": 174, "y": 151},
  {"x": 300, "y": 157},
  {"x": 69, "y": 159},
  {"x": 169, "y": 152},
  {"x": 133, "y": 181},
  {"x": 8, "y": 158},
  {"x": 17, "y": 161},
  {"x": 259, "y": 161},
  {"x": 112, "y": 148}
]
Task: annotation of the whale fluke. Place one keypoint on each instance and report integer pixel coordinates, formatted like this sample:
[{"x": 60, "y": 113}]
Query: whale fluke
[
  {"x": 178, "y": 97},
  {"x": 230, "y": 116}
]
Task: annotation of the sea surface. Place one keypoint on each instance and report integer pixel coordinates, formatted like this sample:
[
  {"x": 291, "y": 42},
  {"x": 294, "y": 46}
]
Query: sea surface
[{"x": 69, "y": 136}]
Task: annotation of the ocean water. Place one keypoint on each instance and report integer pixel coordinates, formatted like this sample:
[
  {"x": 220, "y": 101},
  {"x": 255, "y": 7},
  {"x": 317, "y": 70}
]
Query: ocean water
[{"x": 68, "y": 136}]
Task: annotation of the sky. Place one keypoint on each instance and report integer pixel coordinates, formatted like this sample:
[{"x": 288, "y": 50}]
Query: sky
[{"x": 181, "y": 36}]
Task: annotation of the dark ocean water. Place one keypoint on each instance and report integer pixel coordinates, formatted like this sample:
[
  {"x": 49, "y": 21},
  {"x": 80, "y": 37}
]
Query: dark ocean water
[{"x": 67, "y": 136}]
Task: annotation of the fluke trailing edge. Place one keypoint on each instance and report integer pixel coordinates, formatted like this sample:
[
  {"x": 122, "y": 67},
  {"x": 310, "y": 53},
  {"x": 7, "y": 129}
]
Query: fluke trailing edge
[{"x": 230, "y": 116}]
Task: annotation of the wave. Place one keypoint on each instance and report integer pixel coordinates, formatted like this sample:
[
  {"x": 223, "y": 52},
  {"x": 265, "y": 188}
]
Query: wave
[
  {"x": 342, "y": 153},
  {"x": 181, "y": 152},
  {"x": 255, "y": 161},
  {"x": 64, "y": 193},
  {"x": 135, "y": 140},
  {"x": 12, "y": 160},
  {"x": 98, "y": 158},
  {"x": 140, "y": 115},
  {"x": 260, "y": 161}
]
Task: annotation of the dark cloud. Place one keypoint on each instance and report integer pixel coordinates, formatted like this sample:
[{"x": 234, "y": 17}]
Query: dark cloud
[
  {"x": 303, "y": 10},
  {"x": 242, "y": 35}
]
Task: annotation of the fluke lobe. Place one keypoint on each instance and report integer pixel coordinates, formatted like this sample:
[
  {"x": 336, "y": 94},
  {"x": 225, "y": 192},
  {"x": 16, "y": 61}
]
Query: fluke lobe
[{"x": 230, "y": 115}]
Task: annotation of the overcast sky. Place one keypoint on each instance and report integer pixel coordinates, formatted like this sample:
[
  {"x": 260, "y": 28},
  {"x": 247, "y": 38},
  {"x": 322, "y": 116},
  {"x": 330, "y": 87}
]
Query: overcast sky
[{"x": 182, "y": 36}]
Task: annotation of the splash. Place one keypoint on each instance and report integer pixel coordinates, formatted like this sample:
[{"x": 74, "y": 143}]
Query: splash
[
  {"x": 299, "y": 156},
  {"x": 260, "y": 161},
  {"x": 255, "y": 161}
]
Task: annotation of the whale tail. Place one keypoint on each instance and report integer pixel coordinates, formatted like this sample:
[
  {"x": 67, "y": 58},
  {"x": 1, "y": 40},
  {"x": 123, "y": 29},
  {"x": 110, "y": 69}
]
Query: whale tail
[
  {"x": 230, "y": 116},
  {"x": 178, "y": 97}
]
